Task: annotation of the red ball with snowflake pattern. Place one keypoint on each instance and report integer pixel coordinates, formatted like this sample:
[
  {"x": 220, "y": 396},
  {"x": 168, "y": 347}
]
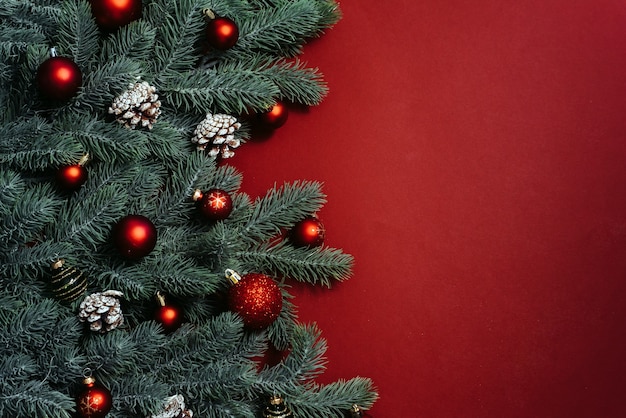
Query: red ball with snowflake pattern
[{"x": 214, "y": 204}]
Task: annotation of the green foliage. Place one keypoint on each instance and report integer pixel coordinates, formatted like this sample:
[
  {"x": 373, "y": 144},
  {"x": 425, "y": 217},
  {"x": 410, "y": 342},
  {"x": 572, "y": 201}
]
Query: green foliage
[{"x": 211, "y": 359}]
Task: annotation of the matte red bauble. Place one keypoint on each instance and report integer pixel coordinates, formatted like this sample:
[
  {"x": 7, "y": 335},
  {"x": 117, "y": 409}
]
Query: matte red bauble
[
  {"x": 275, "y": 117},
  {"x": 214, "y": 204},
  {"x": 168, "y": 315},
  {"x": 134, "y": 236},
  {"x": 95, "y": 401},
  {"x": 222, "y": 33},
  {"x": 58, "y": 78},
  {"x": 308, "y": 232},
  {"x": 113, "y": 14},
  {"x": 256, "y": 298},
  {"x": 71, "y": 177}
]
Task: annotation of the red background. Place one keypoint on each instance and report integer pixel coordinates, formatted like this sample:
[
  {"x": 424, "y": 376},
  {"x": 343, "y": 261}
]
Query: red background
[{"x": 473, "y": 156}]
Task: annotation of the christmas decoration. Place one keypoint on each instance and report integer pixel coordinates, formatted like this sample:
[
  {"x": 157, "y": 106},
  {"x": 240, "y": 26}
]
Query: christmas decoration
[
  {"x": 71, "y": 177},
  {"x": 214, "y": 204},
  {"x": 355, "y": 411},
  {"x": 308, "y": 232},
  {"x": 95, "y": 401},
  {"x": 137, "y": 106},
  {"x": 68, "y": 283},
  {"x": 134, "y": 236},
  {"x": 217, "y": 132},
  {"x": 174, "y": 408},
  {"x": 113, "y": 14},
  {"x": 221, "y": 32},
  {"x": 168, "y": 315},
  {"x": 255, "y": 297},
  {"x": 58, "y": 78},
  {"x": 102, "y": 311},
  {"x": 277, "y": 409},
  {"x": 274, "y": 117}
]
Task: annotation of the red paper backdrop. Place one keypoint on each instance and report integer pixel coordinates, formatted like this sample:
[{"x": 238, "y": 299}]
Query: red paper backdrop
[{"x": 474, "y": 158}]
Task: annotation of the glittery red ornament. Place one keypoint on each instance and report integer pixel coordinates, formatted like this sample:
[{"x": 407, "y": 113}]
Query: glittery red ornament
[
  {"x": 71, "y": 177},
  {"x": 308, "y": 232},
  {"x": 170, "y": 316},
  {"x": 95, "y": 401},
  {"x": 113, "y": 14},
  {"x": 256, "y": 298},
  {"x": 273, "y": 118},
  {"x": 222, "y": 33},
  {"x": 134, "y": 236},
  {"x": 58, "y": 78},
  {"x": 214, "y": 204}
]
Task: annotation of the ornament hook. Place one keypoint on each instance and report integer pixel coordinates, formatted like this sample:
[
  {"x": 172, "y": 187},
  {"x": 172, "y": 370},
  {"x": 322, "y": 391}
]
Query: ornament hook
[{"x": 232, "y": 276}]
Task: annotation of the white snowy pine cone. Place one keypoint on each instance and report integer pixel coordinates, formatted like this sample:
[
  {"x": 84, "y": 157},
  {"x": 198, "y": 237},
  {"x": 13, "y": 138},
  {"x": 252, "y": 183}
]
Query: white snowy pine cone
[
  {"x": 217, "y": 134},
  {"x": 102, "y": 311},
  {"x": 139, "y": 105},
  {"x": 175, "y": 408}
]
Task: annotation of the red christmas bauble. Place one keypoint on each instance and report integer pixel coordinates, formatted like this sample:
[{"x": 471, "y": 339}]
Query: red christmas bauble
[
  {"x": 58, "y": 78},
  {"x": 257, "y": 299},
  {"x": 113, "y": 14},
  {"x": 222, "y": 33},
  {"x": 215, "y": 204},
  {"x": 308, "y": 232},
  {"x": 95, "y": 401},
  {"x": 134, "y": 236},
  {"x": 275, "y": 117},
  {"x": 168, "y": 315},
  {"x": 71, "y": 177}
]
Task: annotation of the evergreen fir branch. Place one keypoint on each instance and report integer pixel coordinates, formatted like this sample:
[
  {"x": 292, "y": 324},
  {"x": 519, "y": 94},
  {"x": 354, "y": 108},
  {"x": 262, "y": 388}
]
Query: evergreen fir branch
[
  {"x": 24, "y": 264},
  {"x": 334, "y": 399},
  {"x": 180, "y": 26},
  {"x": 318, "y": 265},
  {"x": 218, "y": 380},
  {"x": 14, "y": 41},
  {"x": 134, "y": 41},
  {"x": 179, "y": 277},
  {"x": 88, "y": 225},
  {"x": 132, "y": 281},
  {"x": 297, "y": 83},
  {"x": 138, "y": 396},
  {"x": 225, "y": 409},
  {"x": 77, "y": 32},
  {"x": 26, "y": 331},
  {"x": 104, "y": 141},
  {"x": 101, "y": 85},
  {"x": 167, "y": 143},
  {"x": 282, "y": 207},
  {"x": 280, "y": 331},
  {"x": 219, "y": 91},
  {"x": 36, "y": 399},
  {"x": 29, "y": 216},
  {"x": 281, "y": 31},
  {"x": 11, "y": 188}
]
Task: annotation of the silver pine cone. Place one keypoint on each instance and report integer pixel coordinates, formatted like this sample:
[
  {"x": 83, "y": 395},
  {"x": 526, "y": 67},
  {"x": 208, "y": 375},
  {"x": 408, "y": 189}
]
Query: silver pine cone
[
  {"x": 102, "y": 311},
  {"x": 137, "y": 106},
  {"x": 216, "y": 133},
  {"x": 175, "y": 408}
]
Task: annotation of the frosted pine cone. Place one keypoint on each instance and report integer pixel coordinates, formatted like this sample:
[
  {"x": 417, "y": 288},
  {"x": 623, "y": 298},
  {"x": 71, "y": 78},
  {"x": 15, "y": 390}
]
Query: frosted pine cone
[
  {"x": 217, "y": 133},
  {"x": 139, "y": 105},
  {"x": 175, "y": 408},
  {"x": 102, "y": 311}
]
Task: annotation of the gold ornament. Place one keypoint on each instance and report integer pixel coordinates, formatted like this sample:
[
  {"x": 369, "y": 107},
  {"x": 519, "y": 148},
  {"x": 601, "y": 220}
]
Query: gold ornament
[
  {"x": 68, "y": 283},
  {"x": 277, "y": 408}
]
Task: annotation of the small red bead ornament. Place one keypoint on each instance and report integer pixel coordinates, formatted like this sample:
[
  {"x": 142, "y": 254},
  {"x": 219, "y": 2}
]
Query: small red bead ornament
[
  {"x": 95, "y": 401},
  {"x": 222, "y": 32},
  {"x": 71, "y": 177},
  {"x": 168, "y": 315},
  {"x": 274, "y": 117},
  {"x": 58, "y": 78},
  {"x": 308, "y": 232},
  {"x": 214, "y": 204},
  {"x": 255, "y": 297},
  {"x": 110, "y": 15},
  {"x": 134, "y": 236}
]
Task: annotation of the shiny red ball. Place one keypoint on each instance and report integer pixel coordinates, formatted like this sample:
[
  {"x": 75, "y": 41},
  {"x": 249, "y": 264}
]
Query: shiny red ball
[
  {"x": 134, "y": 236},
  {"x": 308, "y": 232},
  {"x": 113, "y": 14},
  {"x": 257, "y": 299},
  {"x": 275, "y": 117},
  {"x": 94, "y": 402},
  {"x": 216, "y": 204},
  {"x": 59, "y": 78},
  {"x": 222, "y": 33},
  {"x": 71, "y": 177},
  {"x": 169, "y": 316}
]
